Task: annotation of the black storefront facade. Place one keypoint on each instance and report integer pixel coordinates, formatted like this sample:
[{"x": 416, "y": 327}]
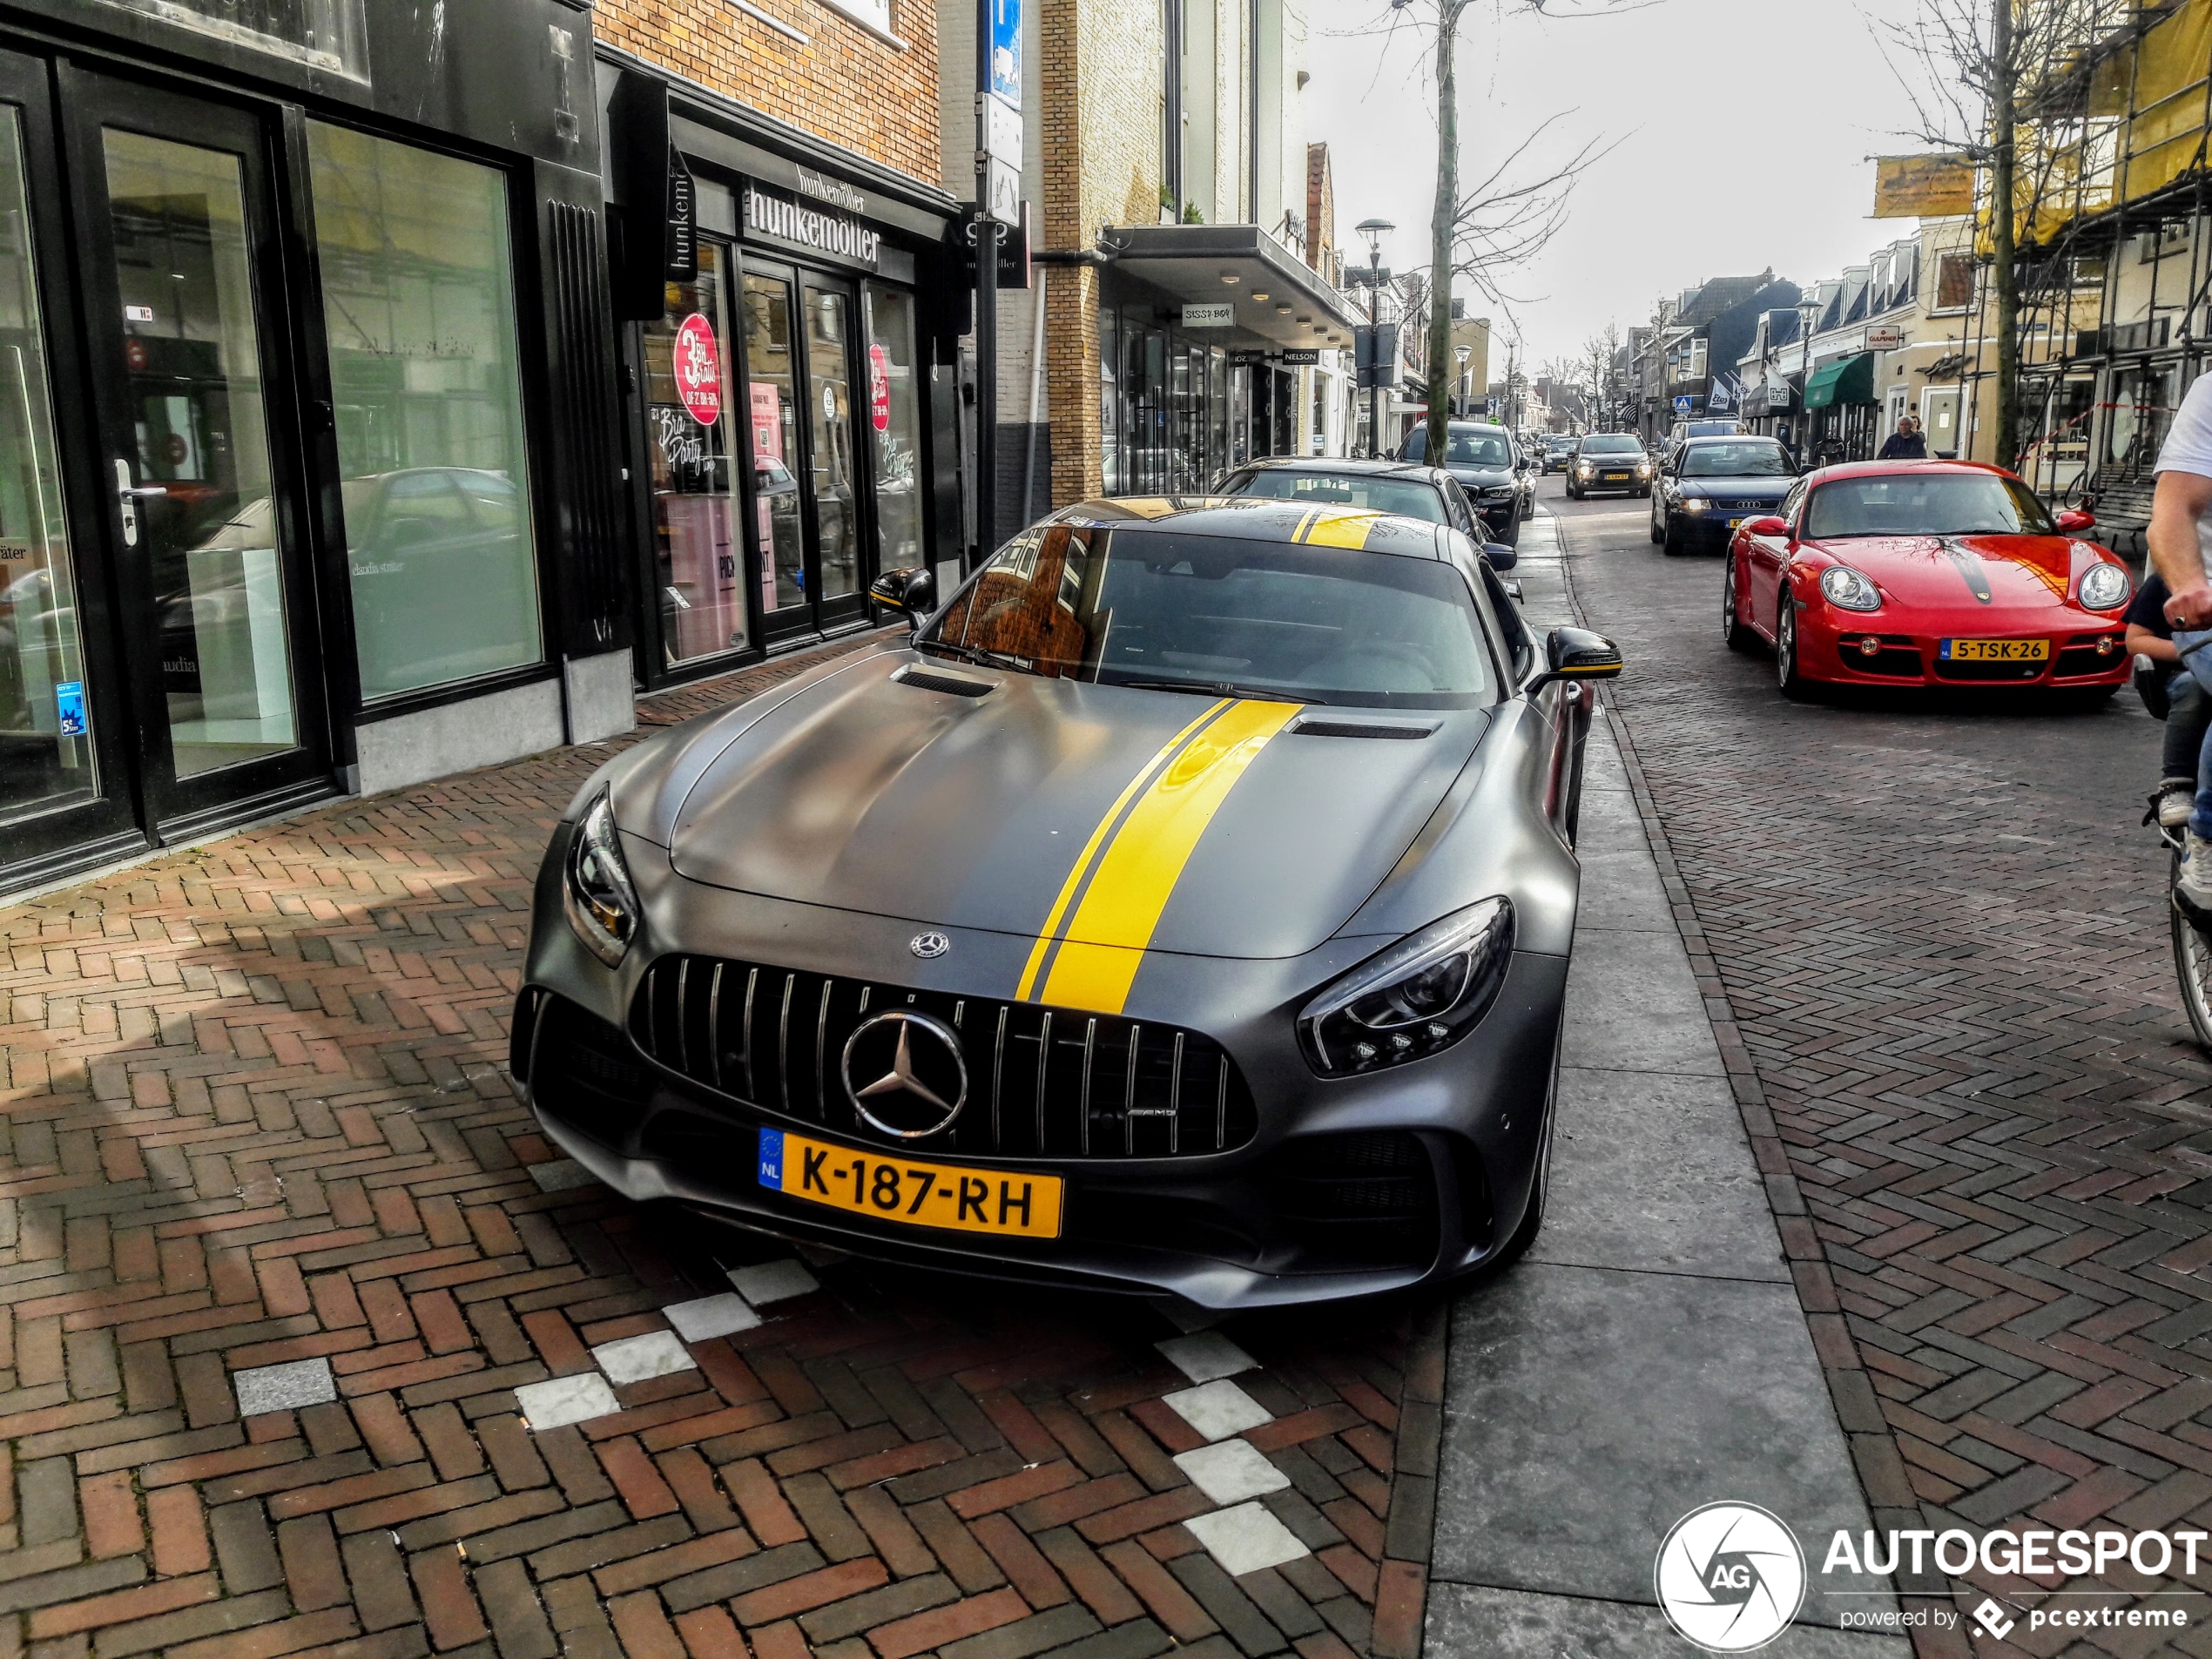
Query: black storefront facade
[
  {"x": 310, "y": 466},
  {"x": 790, "y": 314}
]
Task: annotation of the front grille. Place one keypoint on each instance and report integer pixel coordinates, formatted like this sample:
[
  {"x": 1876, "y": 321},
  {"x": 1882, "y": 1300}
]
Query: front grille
[
  {"x": 1043, "y": 1082},
  {"x": 1988, "y": 671},
  {"x": 1365, "y": 1200},
  {"x": 579, "y": 1067}
]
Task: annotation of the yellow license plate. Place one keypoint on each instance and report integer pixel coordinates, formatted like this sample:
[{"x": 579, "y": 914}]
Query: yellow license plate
[
  {"x": 1733, "y": 523},
  {"x": 910, "y": 1190},
  {"x": 1996, "y": 651}
]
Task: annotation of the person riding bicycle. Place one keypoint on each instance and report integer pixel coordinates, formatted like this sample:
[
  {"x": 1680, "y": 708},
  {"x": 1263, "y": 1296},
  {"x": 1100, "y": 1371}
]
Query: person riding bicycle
[
  {"x": 2181, "y": 552},
  {"x": 2174, "y": 695}
]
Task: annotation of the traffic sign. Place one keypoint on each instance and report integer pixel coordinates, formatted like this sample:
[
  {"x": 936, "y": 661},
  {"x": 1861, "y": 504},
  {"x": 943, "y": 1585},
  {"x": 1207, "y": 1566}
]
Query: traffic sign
[
  {"x": 1003, "y": 200},
  {"x": 1684, "y": 405}
]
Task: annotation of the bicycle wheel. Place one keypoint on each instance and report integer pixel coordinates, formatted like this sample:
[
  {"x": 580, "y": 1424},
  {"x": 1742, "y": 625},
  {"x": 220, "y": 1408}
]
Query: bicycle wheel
[{"x": 2193, "y": 966}]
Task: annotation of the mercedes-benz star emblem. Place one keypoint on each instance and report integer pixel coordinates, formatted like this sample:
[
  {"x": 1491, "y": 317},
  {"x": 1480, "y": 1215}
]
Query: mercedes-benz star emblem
[
  {"x": 919, "y": 1078},
  {"x": 929, "y": 946}
]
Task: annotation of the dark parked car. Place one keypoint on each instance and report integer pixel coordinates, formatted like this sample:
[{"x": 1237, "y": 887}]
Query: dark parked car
[
  {"x": 1488, "y": 465},
  {"x": 1712, "y": 485},
  {"x": 1362, "y": 486},
  {"x": 1608, "y": 461},
  {"x": 1559, "y": 449}
]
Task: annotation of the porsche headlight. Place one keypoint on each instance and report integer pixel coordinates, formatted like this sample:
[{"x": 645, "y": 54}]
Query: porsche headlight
[
  {"x": 1695, "y": 503},
  {"x": 1848, "y": 590},
  {"x": 1419, "y": 996},
  {"x": 2104, "y": 587},
  {"x": 601, "y": 905}
]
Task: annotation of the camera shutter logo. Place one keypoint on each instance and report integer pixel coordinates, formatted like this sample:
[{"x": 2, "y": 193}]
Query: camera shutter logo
[{"x": 1730, "y": 1577}]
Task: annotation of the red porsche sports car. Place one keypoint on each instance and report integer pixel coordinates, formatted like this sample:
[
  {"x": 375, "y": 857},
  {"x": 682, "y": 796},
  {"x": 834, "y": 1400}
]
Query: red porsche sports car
[{"x": 1926, "y": 573}]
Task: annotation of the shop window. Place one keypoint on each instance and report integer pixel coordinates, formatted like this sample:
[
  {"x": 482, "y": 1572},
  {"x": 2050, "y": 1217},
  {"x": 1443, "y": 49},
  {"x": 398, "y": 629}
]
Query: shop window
[
  {"x": 771, "y": 415},
  {"x": 700, "y": 559},
  {"x": 45, "y": 738},
  {"x": 895, "y": 426},
  {"x": 419, "y": 306},
  {"x": 1954, "y": 281},
  {"x": 1109, "y": 405}
]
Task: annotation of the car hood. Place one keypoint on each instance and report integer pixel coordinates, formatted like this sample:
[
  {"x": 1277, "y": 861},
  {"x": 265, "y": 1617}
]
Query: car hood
[
  {"x": 1095, "y": 814},
  {"x": 1956, "y": 571},
  {"x": 1490, "y": 476},
  {"x": 1759, "y": 489}
]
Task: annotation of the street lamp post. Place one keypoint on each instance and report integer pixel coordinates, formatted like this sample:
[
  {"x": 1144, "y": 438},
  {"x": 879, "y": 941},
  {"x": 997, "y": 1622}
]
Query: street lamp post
[
  {"x": 1374, "y": 230},
  {"x": 1467, "y": 395},
  {"x": 1808, "y": 314}
]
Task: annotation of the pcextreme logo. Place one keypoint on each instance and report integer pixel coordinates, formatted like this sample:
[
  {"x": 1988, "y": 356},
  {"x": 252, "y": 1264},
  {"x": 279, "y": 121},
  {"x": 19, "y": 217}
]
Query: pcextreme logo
[{"x": 1730, "y": 1577}]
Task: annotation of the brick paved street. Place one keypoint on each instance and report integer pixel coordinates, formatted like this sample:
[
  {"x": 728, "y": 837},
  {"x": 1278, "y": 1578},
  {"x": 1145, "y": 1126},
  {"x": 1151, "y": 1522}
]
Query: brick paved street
[
  {"x": 258, "y": 1116},
  {"x": 1948, "y": 995}
]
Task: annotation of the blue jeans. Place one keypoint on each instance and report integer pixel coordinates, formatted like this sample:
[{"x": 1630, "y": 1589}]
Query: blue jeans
[{"x": 2191, "y": 644}]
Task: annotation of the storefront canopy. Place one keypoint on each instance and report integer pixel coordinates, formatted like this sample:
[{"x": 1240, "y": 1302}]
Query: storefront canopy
[
  {"x": 1848, "y": 380},
  {"x": 1193, "y": 263}
]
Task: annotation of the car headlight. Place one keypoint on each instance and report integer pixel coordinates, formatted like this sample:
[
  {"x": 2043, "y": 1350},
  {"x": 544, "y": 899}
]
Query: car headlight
[
  {"x": 1643, "y": 469},
  {"x": 1849, "y": 590},
  {"x": 1694, "y": 503},
  {"x": 601, "y": 905},
  {"x": 2104, "y": 587},
  {"x": 1417, "y": 998},
  {"x": 1582, "y": 467}
]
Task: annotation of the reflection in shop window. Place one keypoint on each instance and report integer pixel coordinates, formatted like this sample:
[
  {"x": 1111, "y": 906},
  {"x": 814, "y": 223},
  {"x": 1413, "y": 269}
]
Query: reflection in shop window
[
  {"x": 894, "y": 422},
  {"x": 688, "y": 415},
  {"x": 45, "y": 738},
  {"x": 419, "y": 306},
  {"x": 771, "y": 415}
]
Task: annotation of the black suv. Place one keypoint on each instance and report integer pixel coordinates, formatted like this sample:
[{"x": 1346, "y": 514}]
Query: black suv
[
  {"x": 1487, "y": 465},
  {"x": 1608, "y": 461}
]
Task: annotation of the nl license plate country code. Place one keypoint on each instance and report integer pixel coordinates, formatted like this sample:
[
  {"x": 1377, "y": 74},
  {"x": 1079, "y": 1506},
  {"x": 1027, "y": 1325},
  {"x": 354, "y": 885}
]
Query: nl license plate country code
[{"x": 911, "y": 1191}]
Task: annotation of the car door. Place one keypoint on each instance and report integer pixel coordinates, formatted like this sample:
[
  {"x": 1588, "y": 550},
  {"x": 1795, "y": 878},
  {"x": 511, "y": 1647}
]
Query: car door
[{"x": 1766, "y": 554}]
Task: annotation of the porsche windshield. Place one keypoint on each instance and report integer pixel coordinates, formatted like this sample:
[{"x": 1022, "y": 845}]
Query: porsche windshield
[
  {"x": 1411, "y": 496},
  {"x": 1927, "y": 503},
  {"x": 1134, "y": 606}
]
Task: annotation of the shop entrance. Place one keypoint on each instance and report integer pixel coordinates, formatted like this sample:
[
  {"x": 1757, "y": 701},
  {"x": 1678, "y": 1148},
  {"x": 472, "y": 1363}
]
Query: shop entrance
[{"x": 810, "y": 499}]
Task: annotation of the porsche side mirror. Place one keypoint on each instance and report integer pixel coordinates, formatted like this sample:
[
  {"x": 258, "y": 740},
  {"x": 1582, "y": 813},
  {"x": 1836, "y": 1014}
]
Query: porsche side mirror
[
  {"x": 2073, "y": 521},
  {"x": 1768, "y": 525},
  {"x": 1501, "y": 558},
  {"x": 1576, "y": 654},
  {"x": 913, "y": 590}
]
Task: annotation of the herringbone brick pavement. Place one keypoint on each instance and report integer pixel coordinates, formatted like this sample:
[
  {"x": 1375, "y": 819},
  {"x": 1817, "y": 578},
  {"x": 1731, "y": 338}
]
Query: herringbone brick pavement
[
  {"x": 257, "y": 1112},
  {"x": 1933, "y": 944}
]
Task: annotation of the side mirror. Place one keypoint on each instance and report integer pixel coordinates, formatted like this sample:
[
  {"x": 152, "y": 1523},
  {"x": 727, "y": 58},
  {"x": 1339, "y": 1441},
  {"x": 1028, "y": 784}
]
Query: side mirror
[
  {"x": 1768, "y": 525},
  {"x": 2073, "y": 521},
  {"x": 1501, "y": 558},
  {"x": 1576, "y": 654},
  {"x": 913, "y": 590}
]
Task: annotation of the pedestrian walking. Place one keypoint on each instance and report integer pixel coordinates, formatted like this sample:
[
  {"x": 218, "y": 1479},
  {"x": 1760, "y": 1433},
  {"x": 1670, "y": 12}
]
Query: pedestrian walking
[{"x": 1908, "y": 442}]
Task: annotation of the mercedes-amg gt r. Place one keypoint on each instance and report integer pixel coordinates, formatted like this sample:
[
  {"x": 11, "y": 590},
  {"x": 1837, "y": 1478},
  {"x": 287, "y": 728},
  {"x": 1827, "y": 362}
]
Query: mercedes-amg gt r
[{"x": 1184, "y": 907}]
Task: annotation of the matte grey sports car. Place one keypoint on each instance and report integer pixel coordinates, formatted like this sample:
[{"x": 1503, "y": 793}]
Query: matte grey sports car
[{"x": 1185, "y": 908}]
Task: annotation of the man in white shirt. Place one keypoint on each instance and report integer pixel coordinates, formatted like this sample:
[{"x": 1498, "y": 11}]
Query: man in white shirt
[{"x": 2180, "y": 550}]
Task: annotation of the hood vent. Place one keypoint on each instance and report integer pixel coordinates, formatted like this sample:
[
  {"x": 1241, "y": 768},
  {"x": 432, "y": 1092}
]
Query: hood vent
[
  {"x": 931, "y": 680},
  {"x": 1323, "y": 726}
]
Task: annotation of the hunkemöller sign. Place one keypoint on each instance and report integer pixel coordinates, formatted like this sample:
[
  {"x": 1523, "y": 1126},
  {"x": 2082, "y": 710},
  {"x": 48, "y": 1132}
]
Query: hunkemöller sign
[{"x": 830, "y": 232}]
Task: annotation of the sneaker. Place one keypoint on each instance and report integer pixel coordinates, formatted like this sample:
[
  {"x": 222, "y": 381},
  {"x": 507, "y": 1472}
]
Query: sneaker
[
  {"x": 2193, "y": 881},
  {"x": 2177, "y": 796}
]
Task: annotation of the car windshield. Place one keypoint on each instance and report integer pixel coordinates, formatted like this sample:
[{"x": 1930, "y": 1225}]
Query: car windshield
[
  {"x": 1612, "y": 444},
  {"x": 1734, "y": 461},
  {"x": 1465, "y": 446},
  {"x": 1408, "y": 496},
  {"x": 1927, "y": 503},
  {"x": 1135, "y": 605}
]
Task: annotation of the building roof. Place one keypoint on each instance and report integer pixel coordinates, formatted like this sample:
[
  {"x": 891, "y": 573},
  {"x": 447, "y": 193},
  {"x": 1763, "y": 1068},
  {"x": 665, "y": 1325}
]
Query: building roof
[{"x": 1718, "y": 295}]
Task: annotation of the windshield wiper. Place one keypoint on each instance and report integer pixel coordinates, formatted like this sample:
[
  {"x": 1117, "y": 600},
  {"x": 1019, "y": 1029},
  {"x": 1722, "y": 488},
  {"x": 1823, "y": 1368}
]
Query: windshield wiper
[
  {"x": 975, "y": 654},
  {"x": 1218, "y": 688}
]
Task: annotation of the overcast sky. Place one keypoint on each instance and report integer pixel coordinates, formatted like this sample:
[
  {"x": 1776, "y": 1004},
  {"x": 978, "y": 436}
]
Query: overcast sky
[{"x": 1744, "y": 126}]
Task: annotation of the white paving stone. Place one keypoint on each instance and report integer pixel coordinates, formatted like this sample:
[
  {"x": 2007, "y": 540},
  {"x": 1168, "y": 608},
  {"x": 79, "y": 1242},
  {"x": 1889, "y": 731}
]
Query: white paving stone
[
  {"x": 773, "y": 1281},
  {"x": 1246, "y": 1538},
  {"x": 711, "y": 1316},
  {"x": 284, "y": 1388},
  {"x": 566, "y": 1400},
  {"x": 1203, "y": 1355},
  {"x": 1231, "y": 1471},
  {"x": 636, "y": 1359},
  {"x": 1219, "y": 1409},
  {"x": 560, "y": 1175}
]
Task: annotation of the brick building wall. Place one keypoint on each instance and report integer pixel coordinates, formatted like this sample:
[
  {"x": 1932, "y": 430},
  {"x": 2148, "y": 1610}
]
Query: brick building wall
[{"x": 847, "y": 85}]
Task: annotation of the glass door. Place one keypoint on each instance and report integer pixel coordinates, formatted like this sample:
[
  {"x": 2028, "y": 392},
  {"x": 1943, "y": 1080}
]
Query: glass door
[
  {"x": 196, "y": 425},
  {"x": 64, "y": 770},
  {"x": 837, "y": 492}
]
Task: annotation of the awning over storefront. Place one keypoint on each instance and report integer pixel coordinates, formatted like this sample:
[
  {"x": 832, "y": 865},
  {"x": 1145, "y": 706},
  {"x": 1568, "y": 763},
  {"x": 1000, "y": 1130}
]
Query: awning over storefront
[
  {"x": 1848, "y": 380},
  {"x": 1191, "y": 263}
]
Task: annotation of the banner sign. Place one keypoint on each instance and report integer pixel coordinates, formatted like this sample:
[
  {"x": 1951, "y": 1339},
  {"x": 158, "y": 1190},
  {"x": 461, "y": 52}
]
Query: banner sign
[{"x": 1934, "y": 186}]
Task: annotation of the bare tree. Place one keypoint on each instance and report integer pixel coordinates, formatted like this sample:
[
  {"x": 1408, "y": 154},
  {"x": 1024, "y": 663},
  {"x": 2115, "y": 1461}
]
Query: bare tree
[
  {"x": 1976, "y": 72},
  {"x": 1601, "y": 352}
]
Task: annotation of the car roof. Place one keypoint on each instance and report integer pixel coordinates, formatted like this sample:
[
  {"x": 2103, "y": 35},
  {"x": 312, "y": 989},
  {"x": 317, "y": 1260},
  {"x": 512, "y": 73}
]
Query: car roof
[
  {"x": 1256, "y": 518},
  {"x": 1347, "y": 465},
  {"x": 1885, "y": 468},
  {"x": 1704, "y": 439}
]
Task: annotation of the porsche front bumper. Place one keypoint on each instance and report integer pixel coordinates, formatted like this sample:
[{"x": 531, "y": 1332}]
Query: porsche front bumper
[{"x": 1337, "y": 1187}]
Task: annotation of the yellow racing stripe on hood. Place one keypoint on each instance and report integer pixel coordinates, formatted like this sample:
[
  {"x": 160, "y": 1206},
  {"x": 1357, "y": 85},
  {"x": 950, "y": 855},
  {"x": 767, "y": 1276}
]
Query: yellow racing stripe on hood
[
  {"x": 1073, "y": 884},
  {"x": 1137, "y": 873}
]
